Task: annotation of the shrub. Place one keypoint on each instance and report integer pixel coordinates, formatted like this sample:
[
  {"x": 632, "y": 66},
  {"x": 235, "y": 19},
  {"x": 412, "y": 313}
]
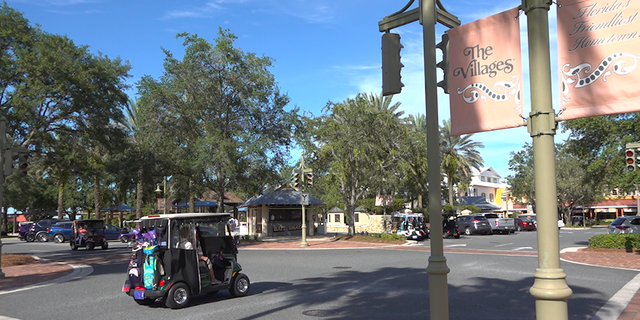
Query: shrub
[
  {"x": 615, "y": 241},
  {"x": 392, "y": 236}
]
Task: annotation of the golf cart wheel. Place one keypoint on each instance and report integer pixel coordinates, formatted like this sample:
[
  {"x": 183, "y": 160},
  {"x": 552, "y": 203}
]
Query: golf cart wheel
[
  {"x": 239, "y": 285},
  {"x": 42, "y": 237},
  {"x": 124, "y": 239},
  {"x": 90, "y": 245},
  {"x": 105, "y": 245},
  {"x": 178, "y": 296},
  {"x": 74, "y": 246},
  {"x": 58, "y": 238}
]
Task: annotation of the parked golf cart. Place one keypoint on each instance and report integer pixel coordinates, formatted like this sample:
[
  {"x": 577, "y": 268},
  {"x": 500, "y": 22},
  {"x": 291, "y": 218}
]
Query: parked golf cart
[
  {"x": 167, "y": 262},
  {"x": 88, "y": 233}
]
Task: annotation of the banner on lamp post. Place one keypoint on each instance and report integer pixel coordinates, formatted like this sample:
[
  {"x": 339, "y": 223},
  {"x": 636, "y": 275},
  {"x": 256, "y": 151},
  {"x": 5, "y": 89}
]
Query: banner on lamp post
[
  {"x": 485, "y": 74},
  {"x": 598, "y": 55}
]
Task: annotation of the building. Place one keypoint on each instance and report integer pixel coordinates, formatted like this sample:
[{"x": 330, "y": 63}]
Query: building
[
  {"x": 363, "y": 221},
  {"x": 278, "y": 212}
]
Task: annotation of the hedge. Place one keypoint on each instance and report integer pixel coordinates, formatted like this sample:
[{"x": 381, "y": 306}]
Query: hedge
[{"x": 615, "y": 241}]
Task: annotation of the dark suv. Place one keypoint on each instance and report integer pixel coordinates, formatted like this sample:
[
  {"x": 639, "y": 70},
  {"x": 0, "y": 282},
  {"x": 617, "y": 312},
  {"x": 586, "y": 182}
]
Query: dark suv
[
  {"x": 39, "y": 230},
  {"x": 474, "y": 225}
]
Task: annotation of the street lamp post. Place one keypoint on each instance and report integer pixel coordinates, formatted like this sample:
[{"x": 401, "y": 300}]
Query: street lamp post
[{"x": 164, "y": 193}]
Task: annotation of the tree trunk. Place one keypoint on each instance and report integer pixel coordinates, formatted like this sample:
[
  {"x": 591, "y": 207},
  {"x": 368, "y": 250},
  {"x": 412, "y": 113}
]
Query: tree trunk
[
  {"x": 60, "y": 200},
  {"x": 96, "y": 196},
  {"x": 139, "y": 194}
]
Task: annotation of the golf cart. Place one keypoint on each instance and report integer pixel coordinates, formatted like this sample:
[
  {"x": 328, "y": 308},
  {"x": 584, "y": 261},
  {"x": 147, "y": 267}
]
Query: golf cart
[
  {"x": 176, "y": 255},
  {"x": 88, "y": 233},
  {"x": 411, "y": 225}
]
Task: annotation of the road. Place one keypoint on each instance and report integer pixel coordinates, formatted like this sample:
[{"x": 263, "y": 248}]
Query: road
[
  {"x": 526, "y": 241},
  {"x": 328, "y": 284}
]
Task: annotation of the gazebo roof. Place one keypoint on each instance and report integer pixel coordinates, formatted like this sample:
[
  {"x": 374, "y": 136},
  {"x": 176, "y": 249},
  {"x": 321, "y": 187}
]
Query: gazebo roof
[
  {"x": 479, "y": 202},
  {"x": 281, "y": 196}
]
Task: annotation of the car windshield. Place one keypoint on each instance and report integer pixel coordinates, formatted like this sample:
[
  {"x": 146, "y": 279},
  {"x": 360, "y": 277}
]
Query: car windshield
[{"x": 618, "y": 221}]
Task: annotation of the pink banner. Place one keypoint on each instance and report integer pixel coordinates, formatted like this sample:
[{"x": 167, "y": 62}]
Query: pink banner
[
  {"x": 598, "y": 53},
  {"x": 485, "y": 74}
]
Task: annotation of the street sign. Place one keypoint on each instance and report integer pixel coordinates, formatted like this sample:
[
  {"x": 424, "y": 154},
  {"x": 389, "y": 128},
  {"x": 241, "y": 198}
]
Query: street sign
[{"x": 304, "y": 199}]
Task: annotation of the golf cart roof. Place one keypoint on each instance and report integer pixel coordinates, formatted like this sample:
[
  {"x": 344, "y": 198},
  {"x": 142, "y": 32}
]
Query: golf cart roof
[{"x": 185, "y": 215}]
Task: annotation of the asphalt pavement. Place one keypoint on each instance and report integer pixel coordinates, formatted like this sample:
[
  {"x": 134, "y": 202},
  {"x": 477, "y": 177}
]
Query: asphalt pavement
[{"x": 25, "y": 277}]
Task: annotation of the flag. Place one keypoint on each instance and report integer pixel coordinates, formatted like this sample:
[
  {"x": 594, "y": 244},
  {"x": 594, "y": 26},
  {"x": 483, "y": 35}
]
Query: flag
[{"x": 598, "y": 54}]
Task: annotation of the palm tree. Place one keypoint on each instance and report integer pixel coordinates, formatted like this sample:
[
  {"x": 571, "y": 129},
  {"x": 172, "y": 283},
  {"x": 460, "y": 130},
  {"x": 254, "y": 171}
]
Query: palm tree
[
  {"x": 415, "y": 157},
  {"x": 459, "y": 155}
]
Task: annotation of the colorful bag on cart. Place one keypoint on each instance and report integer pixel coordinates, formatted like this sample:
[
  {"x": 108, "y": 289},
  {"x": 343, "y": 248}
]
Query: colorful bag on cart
[{"x": 150, "y": 267}]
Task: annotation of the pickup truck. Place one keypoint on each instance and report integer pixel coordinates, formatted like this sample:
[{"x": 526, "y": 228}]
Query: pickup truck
[{"x": 500, "y": 225}]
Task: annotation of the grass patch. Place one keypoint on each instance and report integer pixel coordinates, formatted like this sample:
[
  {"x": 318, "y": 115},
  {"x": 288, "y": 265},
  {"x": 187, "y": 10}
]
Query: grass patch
[{"x": 383, "y": 238}]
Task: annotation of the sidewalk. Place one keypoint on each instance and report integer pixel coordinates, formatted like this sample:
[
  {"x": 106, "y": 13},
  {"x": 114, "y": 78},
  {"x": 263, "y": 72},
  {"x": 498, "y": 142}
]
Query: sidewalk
[{"x": 35, "y": 273}]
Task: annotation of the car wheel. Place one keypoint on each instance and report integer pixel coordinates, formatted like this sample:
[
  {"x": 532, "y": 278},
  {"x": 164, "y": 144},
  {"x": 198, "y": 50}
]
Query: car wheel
[
  {"x": 467, "y": 231},
  {"x": 42, "y": 237},
  {"x": 239, "y": 285},
  {"x": 124, "y": 239},
  {"x": 58, "y": 238},
  {"x": 105, "y": 245},
  {"x": 90, "y": 245},
  {"x": 178, "y": 296},
  {"x": 30, "y": 237}
]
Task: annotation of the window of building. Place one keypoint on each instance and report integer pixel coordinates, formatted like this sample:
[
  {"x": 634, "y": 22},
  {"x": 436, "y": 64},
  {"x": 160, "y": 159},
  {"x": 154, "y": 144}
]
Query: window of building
[
  {"x": 484, "y": 195},
  {"x": 495, "y": 180},
  {"x": 491, "y": 197},
  {"x": 337, "y": 218},
  {"x": 614, "y": 192},
  {"x": 482, "y": 178},
  {"x": 356, "y": 217},
  {"x": 475, "y": 192}
]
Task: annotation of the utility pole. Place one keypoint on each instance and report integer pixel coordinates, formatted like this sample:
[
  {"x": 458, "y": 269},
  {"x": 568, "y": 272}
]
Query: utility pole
[{"x": 550, "y": 288}]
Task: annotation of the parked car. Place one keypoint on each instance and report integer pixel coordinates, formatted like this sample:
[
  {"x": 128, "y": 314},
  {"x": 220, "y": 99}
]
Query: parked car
[
  {"x": 60, "y": 232},
  {"x": 500, "y": 225},
  {"x": 625, "y": 224},
  {"x": 474, "y": 225},
  {"x": 524, "y": 224},
  {"x": 112, "y": 232},
  {"x": 24, "y": 228}
]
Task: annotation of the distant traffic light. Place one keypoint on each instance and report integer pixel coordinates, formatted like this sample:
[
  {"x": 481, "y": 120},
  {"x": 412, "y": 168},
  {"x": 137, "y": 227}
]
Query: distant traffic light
[
  {"x": 309, "y": 178},
  {"x": 295, "y": 178},
  {"x": 391, "y": 65},
  {"x": 631, "y": 159}
]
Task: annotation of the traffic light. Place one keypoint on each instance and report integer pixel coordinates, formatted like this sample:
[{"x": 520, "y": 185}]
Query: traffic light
[
  {"x": 309, "y": 177},
  {"x": 9, "y": 159},
  {"x": 632, "y": 158},
  {"x": 295, "y": 177},
  {"x": 23, "y": 165},
  {"x": 444, "y": 64},
  {"x": 391, "y": 65}
]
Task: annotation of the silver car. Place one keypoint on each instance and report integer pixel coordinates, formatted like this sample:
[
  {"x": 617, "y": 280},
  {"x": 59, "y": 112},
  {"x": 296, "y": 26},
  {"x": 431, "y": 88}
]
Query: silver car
[{"x": 625, "y": 224}]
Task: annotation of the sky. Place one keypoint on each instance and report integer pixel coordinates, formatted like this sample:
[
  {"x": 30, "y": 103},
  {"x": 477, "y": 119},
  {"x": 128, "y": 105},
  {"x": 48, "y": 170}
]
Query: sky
[{"x": 323, "y": 50}]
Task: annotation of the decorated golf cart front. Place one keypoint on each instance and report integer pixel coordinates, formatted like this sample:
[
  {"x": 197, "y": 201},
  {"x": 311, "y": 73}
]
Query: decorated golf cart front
[{"x": 178, "y": 254}]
